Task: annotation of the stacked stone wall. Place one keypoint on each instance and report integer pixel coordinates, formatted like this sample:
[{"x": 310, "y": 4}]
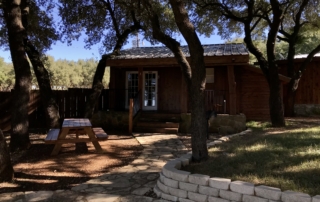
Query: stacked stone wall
[
  {"x": 178, "y": 185},
  {"x": 175, "y": 184}
]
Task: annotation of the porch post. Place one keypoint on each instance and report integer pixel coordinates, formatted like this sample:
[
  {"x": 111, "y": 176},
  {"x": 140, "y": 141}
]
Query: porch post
[
  {"x": 112, "y": 89},
  {"x": 183, "y": 96},
  {"x": 232, "y": 91},
  {"x": 140, "y": 84},
  {"x": 130, "y": 116}
]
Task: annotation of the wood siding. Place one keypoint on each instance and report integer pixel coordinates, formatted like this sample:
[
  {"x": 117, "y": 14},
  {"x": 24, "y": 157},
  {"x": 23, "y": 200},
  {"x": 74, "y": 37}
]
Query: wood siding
[
  {"x": 252, "y": 91},
  {"x": 169, "y": 90},
  {"x": 309, "y": 86},
  {"x": 253, "y": 94}
]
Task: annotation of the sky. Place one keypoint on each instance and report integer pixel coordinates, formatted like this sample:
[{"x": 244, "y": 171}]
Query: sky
[{"x": 77, "y": 51}]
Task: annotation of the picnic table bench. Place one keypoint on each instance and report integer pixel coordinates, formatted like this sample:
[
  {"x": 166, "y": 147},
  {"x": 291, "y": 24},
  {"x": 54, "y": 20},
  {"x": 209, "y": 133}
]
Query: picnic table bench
[{"x": 83, "y": 131}]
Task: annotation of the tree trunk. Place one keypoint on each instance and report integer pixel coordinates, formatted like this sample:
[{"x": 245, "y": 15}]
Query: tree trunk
[
  {"x": 6, "y": 170},
  {"x": 48, "y": 100},
  {"x": 198, "y": 81},
  {"x": 198, "y": 118},
  {"x": 19, "y": 119},
  {"x": 275, "y": 103},
  {"x": 275, "y": 99},
  {"x": 291, "y": 96},
  {"x": 97, "y": 87}
]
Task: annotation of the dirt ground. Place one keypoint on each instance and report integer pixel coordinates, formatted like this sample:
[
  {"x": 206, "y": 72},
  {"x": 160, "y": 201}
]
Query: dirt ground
[{"x": 36, "y": 170}]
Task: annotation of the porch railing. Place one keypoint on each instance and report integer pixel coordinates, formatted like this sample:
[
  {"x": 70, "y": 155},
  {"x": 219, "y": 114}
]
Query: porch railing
[
  {"x": 215, "y": 100},
  {"x": 134, "y": 108},
  {"x": 136, "y": 104}
]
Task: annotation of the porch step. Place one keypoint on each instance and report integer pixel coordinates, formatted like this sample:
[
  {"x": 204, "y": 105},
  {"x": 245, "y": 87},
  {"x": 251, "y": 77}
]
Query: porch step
[
  {"x": 160, "y": 116},
  {"x": 155, "y": 122},
  {"x": 151, "y": 124},
  {"x": 156, "y": 130}
]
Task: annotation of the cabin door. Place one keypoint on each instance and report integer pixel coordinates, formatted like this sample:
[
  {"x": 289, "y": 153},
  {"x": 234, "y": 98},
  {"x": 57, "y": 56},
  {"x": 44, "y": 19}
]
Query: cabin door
[{"x": 150, "y": 90}]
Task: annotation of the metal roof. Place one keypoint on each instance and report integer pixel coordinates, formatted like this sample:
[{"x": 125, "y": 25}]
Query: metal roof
[
  {"x": 164, "y": 52},
  {"x": 305, "y": 56}
]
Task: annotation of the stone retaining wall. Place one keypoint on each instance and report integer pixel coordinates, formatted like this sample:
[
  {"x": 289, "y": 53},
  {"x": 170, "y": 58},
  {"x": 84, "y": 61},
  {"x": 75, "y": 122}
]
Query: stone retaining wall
[
  {"x": 221, "y": 123},
  {"x": 307, "y": 109},
  {"x": 178, "y": 185}
]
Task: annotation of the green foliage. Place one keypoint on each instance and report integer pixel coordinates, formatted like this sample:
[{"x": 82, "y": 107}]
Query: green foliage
[
  {"x": 42, "y": 30},
  {"x": 6, "y": 75},
  {"x": 74, "y": 74},
  {"x": 63, "y": 74},
  {"x": 93, "y": 20}
]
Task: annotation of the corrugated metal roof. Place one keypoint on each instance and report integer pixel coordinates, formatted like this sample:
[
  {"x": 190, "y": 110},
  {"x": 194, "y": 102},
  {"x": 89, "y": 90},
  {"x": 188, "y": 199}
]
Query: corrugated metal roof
[
  {"x": 305, "y": 56},
  {"x": 164, "y": 52}
]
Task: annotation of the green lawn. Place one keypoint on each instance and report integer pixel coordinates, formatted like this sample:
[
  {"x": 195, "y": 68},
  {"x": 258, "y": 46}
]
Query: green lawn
[{"x": 287, "y": 158}]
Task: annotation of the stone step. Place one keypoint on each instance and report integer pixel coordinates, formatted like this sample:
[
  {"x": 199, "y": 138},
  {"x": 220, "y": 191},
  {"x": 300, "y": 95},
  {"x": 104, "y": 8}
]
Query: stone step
[
  {"x": 155, "y": 130},
  {"x": 152, "y": 124},
  {"x": 161, "y": 116}
]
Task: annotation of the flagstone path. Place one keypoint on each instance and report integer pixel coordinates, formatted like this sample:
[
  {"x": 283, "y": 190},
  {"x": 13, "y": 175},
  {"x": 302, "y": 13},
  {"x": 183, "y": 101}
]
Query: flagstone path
[{"x": 131, "y": 183}]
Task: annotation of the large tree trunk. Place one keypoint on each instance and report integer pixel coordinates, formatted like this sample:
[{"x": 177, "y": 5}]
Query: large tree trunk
[
  {"x": 19, "y": 119},
  {"x": 193, "y": 72},
  {"x": 275, "y": 102},
  {"x": 291, "y": 96},
  {"x": 6, "y": 170},
  {"x": 275, "y": 99},
  {"x": 198, "y": 81},
  {"x": 97, "y": 87},
  {"x": 48, "y": 100},
  {"x": 198, "y": 116}
]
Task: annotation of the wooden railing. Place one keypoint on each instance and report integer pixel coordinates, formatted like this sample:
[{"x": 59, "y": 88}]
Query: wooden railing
[
  {"x": 71, "y": 104},
  {"x": 215, "y": 100},
  {"x": 134, "y": 108}
]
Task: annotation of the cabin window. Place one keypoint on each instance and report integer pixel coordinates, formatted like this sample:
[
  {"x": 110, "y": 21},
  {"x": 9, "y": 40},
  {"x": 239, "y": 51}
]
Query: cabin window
[{"x": 209, "y": 75}]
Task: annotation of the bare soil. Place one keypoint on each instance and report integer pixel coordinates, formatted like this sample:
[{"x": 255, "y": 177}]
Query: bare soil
[{"x": 36, "y": 170}]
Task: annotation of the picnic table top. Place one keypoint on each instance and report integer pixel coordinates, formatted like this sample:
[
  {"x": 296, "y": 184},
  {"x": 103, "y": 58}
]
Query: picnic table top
[{"x": 76, "y": 122}]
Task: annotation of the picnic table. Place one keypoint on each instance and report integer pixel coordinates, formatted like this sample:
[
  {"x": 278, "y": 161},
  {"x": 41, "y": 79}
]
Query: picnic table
[{"x": 75, "y": 130}]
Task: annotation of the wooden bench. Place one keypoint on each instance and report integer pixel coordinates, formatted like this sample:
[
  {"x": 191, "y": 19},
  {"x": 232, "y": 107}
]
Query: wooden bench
[
  {"x": 100, "y": 134},
  {"x": 52, "y": 136}
]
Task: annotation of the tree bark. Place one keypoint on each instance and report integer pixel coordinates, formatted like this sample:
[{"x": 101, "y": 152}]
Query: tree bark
[
  {"x": 97, "y": 85},
  {"x": 6, "y": 169},
  {"x": 16, "y": 33},
  {"x": 275, "y": 99},
  {"x": 198, "y": 81},
  {"x": 48, "y": 99}
]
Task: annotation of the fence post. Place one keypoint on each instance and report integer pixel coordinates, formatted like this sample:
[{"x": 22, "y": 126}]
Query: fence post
[{"x": 130, "y": 116}]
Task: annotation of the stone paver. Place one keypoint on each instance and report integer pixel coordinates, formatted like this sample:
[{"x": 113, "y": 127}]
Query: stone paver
[{"x": 129, "y": 183}]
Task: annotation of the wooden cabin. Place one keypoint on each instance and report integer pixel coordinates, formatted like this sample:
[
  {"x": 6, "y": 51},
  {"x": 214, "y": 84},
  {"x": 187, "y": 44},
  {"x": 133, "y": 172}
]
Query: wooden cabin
[
  {"x": 308, "y": 92},
  {"x": 153, "y": 77}
]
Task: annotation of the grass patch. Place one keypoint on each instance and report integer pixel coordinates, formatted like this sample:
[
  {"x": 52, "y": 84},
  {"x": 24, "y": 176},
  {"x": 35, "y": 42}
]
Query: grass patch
[{"x": 287, "y": 158}]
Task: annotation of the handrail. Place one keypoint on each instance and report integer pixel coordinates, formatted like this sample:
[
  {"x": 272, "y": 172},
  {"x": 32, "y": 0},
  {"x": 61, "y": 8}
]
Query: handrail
[
  {"x": 215, "y": 100},
  {"x": 134, "y": 108},
  {"x": 136, "y": 104}
]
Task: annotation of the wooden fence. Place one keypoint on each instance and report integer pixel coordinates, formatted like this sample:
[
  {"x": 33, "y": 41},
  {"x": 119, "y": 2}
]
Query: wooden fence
[{"x": 71, "y": 105}]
